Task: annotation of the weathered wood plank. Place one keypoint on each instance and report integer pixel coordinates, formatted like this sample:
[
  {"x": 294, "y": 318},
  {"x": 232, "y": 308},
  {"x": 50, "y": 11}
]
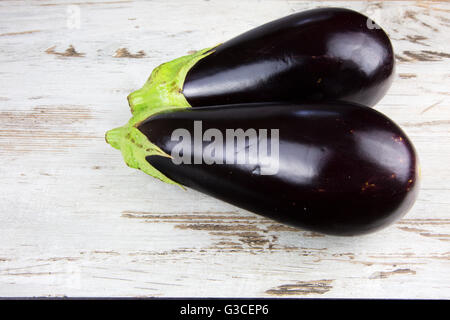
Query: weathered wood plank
[{"x": 74, "y": 220}]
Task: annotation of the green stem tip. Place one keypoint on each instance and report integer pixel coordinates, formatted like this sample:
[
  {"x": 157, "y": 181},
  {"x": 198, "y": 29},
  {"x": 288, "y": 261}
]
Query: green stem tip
[
  {"x": 136, "y": 147},
  {"x": 165, "y": 85},
  {"x": 162, "y": 92}
]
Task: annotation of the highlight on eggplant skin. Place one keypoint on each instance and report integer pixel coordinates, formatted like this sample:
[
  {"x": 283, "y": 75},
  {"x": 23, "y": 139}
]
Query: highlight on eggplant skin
[
  {"x": 325, "y": 54},
  {"x": 343, "y": 170}
]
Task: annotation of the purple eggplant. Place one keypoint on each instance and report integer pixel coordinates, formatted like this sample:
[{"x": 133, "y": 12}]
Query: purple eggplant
[
  {"x": 326, "y": 54},
  {"x": 327, "y": 167}
]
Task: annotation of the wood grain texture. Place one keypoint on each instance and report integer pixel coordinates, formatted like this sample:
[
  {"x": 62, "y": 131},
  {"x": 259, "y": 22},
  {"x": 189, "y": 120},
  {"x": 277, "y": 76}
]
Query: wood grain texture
[{"x": 75, "y": 221}]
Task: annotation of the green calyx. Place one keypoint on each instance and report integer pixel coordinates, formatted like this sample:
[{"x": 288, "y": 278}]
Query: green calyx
[
  {"x": 165, "y": 85},
  {"x": 162, "y": 92},
  {"x": 135, "y": 146}
]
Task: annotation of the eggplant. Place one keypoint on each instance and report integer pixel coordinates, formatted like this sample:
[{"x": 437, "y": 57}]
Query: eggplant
[
  {"x": 320, "y": 55},
  {"x": 339, "y": 169}
]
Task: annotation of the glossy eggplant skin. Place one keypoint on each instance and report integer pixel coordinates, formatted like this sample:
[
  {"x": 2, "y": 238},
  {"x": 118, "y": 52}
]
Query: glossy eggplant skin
[
  {"x": 326, "y": 54},
  {"x": 342, "y": 170}
]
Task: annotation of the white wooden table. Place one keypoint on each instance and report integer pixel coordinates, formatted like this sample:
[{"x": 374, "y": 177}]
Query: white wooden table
[{"x": 75, "y": 221}]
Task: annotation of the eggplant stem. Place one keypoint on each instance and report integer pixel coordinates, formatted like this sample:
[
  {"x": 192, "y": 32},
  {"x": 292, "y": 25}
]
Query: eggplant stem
[
  {"x": 162, "y": 92},
  {"x": 164, "y": 87},
  {"x": 136, "y": 147}
]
